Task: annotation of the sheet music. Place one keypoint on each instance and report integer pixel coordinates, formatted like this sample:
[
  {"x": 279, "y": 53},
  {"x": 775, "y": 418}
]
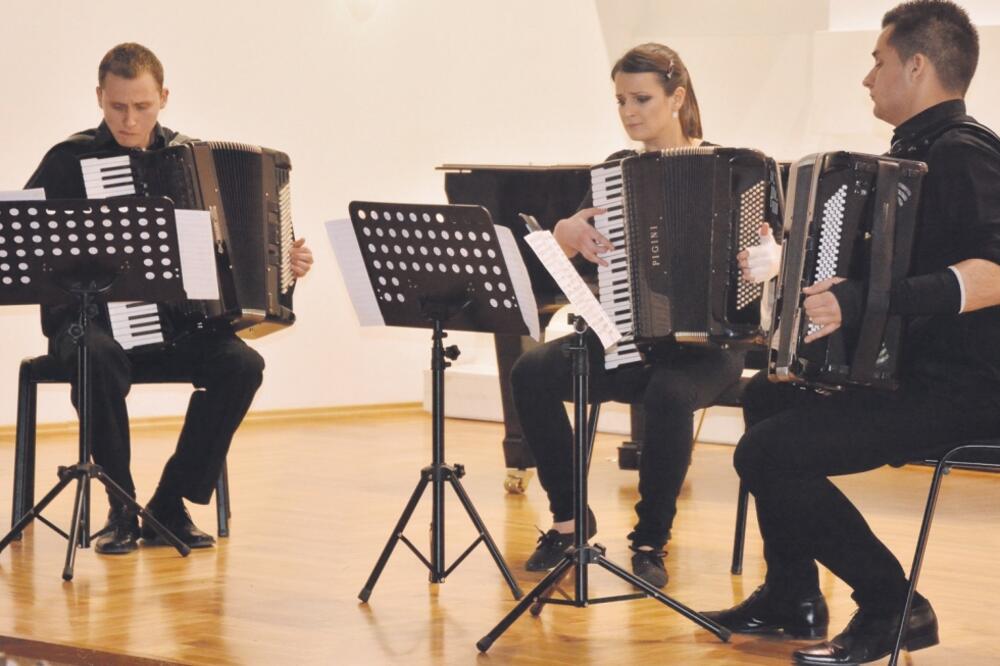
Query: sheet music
[
  {"x": 197, "y": 249},
  {"x": 580, "y": 297},
  {"x": 34, "y": 194},
  {"x": 352, "y": 267},
  {"x": 519, "y": 278}
]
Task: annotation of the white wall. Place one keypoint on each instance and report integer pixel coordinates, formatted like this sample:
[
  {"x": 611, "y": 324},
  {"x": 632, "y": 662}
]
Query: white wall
[{"x": 366, "y": 96}]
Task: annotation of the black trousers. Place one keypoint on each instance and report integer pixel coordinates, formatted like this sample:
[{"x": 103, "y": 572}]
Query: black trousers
[
  {"x": 227, "y": 374},
  {"x": 686, "y": 379},
  {"x": 796, "y": 439}
]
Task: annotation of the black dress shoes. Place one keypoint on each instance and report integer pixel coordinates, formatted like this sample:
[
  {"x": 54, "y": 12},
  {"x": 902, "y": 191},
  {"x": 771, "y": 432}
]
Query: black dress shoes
[
  {"x": 120, "y": 535},
  {"x": 763, "y": 612},
  {"x": 871, "y": 636},
  {"x": 552, "y": 546},
  {"x": 175, "y": 517}
]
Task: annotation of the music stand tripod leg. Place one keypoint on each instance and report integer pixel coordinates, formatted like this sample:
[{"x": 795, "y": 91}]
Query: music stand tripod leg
[
  {"x": 526, "y": 602},
  {"x": 485, "y": 535},
  {"x": 397, "y": 532},
  {"x": 65, "y": 478}
]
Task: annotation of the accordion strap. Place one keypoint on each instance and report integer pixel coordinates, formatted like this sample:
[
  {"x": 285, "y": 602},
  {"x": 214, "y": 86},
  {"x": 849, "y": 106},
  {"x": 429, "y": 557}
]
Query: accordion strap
[{"x": 880, "y": 276}]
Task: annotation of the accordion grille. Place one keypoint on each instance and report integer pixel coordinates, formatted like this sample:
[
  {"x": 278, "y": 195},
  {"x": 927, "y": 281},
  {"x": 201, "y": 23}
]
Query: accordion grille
[
  {"x": 831, "y": 230},
  {"x": 287, "y": 235},
  {"x": 752, "y": 214}
]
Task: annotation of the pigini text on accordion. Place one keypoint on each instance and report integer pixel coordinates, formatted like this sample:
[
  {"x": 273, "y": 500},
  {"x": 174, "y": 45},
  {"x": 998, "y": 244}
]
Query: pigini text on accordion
[{"x": 848, "y": 215}]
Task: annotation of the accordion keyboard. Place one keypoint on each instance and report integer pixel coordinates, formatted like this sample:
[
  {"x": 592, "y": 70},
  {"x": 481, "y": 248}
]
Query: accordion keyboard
[
  {"x": 107, "y": 176},
  {"x": 133, "y": 323},
  {"x": 613, "y": 279}
]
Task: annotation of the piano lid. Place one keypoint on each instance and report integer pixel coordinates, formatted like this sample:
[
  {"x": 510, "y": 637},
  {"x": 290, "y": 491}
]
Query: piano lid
[{"x": 512, "y": 167}]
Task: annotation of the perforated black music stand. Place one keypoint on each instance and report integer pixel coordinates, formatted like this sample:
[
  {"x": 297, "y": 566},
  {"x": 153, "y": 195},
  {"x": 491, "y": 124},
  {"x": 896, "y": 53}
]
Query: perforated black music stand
[
  {"x": 431, "y": 266},
  {"x": 87, "y": 252}
]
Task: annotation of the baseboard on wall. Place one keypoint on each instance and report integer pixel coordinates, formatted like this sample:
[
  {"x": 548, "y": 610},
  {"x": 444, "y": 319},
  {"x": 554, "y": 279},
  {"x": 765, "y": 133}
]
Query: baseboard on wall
[{"x": 265, "y": 416}]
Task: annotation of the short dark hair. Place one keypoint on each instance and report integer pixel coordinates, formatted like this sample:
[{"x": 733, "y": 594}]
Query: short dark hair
[
  {"x": 130, "y": 60},
  {"x": 670, "y": 70},
  {"x": 941, "y": 31}
]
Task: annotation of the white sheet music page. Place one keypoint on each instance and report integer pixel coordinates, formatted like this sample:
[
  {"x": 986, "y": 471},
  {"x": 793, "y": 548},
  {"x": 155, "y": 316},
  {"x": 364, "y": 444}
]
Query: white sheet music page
[
  {"x": 34, "y": 194},
  {"x": 521, "y": 282},
  {"x": 580, "y": 297},
  {"x": 197, "y": 249},
  {"x": 352, "y": 268}
]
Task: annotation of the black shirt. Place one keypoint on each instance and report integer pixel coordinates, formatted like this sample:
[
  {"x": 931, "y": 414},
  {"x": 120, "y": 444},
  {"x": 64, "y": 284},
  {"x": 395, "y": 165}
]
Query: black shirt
[
  {"x": 956, "y": 356},
  {"x": 60, "y": 174}
]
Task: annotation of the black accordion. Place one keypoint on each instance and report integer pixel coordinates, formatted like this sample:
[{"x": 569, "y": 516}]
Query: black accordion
[
  {"x": 853, "y": 216},
  {"x": 677, "y": 219},
  {"x": 246, "y": 191}
]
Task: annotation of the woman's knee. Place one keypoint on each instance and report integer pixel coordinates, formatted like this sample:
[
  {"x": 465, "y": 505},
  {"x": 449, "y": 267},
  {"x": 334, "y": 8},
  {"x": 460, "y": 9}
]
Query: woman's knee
[{"x": 534, "y": 370}]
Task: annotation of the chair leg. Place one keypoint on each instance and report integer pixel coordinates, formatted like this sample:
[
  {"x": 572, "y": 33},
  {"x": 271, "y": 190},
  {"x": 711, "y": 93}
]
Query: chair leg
[
  {"x": 918, "y": 555},
  {"x": 739, "y": 536},
  {"x": 222, "y": 501},
  {"x": 24, "y": 444}
]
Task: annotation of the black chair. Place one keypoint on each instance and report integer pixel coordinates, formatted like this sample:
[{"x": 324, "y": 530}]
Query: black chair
[
  {"x": 46, "y": 370},
  {"x": 988, "y": 462}
]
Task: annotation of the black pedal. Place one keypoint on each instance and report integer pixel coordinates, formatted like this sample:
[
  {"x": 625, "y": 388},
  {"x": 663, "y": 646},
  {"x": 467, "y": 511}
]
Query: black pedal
[{"x": 629, "y": 454}]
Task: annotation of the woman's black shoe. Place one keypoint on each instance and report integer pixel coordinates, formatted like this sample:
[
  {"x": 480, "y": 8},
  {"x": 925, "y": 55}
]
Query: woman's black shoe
[
  {"x": 552, "y": 546},
  {"x": 763, "y": 612},
  {"x": 871, "y": 636},
  {"x": 648, "y": 565}
]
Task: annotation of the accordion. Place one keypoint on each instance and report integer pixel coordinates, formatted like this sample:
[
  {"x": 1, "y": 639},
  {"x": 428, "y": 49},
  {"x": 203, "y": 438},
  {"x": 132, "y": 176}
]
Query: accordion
[
  {"x": 848, "y": 215},
  {"x": 245, "y": 189},
  {"x": 677, "y": 220}
]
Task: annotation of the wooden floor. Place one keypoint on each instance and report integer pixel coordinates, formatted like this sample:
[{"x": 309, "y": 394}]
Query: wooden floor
[{"x": 314, "y": 502}]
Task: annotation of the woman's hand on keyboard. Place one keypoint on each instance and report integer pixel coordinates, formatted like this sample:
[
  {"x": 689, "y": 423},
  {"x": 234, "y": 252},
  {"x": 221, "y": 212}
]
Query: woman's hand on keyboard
[{"x": 576, "y": 235}]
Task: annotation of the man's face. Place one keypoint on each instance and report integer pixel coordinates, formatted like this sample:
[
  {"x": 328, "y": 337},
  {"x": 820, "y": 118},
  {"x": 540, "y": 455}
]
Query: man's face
[
  {"x": 131, "y": 107},
  {"x": 889, "y": 83}
]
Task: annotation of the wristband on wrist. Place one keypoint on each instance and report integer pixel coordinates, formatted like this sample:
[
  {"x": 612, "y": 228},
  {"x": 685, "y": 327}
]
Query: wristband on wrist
[{"x": 930, "y": 294}]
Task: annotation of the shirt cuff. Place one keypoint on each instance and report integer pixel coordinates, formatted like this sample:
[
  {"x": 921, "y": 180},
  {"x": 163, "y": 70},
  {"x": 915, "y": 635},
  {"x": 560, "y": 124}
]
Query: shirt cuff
[{"x": 961, "y": 287}]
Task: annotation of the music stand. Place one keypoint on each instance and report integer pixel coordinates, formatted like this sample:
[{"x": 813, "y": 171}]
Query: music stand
[
  {"x": 87, "y": 251},
  {"x": 432, "y": 266},
  {"x": 582, "y": 553}
]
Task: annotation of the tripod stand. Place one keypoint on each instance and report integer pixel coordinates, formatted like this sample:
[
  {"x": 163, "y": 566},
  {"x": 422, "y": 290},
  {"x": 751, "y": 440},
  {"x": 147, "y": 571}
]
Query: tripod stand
[
  {"x": 72, "y": 258},
  {"x": 84, "y": 470},
  {"x": 437, "y": 474},
  {"x": 582, "y": 554}
]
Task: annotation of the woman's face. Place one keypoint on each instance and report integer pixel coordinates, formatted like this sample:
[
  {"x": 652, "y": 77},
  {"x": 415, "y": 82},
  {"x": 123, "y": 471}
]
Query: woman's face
[{"x": 644, "y": 106}]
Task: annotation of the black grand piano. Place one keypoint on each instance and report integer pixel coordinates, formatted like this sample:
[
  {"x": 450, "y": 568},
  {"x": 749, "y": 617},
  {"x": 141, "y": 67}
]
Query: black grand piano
[{"x": 549, "y": 193}]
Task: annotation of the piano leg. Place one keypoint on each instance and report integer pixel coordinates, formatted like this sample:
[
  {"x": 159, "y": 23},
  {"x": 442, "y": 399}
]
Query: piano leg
[
  {"x": 630, "y": 451},
  {"x": 517, "y": 456}
]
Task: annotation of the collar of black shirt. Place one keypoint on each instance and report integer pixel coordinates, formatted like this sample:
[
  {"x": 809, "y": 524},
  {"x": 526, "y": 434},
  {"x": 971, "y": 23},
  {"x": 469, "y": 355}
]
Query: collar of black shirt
[
  {"x": 104, "y": 139},
  {"x": 926, "y": 123}
]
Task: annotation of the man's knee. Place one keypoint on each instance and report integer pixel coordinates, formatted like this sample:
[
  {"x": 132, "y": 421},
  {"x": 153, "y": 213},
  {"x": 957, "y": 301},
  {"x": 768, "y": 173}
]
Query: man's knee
[
  {"x": 748, "y": 458},
  {"x": 761, "y": 398},
  {"x": 239, "y": 365}
]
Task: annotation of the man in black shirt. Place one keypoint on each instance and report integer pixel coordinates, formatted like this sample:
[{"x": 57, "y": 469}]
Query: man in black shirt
[
  {"x": 925, "y": 58},
  {"x": 225, "y": 370}
]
